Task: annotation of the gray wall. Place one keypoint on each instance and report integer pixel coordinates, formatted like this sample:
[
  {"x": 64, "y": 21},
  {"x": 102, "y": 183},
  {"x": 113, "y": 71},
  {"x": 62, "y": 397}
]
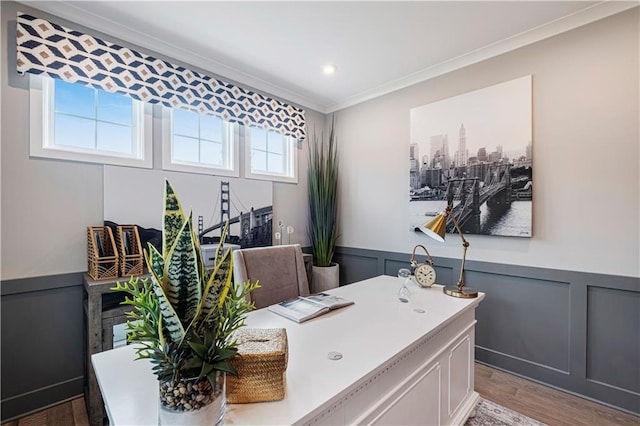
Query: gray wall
[
  {"x": 572, "y": 330},
  {"x": 42, "y": 334}
]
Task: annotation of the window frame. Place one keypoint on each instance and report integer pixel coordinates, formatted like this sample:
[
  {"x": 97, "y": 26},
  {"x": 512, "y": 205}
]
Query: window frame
[
  {"x": 291, "y": 157},
  {"x": 232, "y": 132},
  {"x": 41, "y": 137}
]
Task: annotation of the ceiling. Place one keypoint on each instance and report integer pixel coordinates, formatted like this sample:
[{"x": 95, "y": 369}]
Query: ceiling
[{"x": 378, "y": 47}]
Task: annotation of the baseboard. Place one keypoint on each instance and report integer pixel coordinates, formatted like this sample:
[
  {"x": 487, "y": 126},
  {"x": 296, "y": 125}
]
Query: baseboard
[{"x": 40, "y": 399}]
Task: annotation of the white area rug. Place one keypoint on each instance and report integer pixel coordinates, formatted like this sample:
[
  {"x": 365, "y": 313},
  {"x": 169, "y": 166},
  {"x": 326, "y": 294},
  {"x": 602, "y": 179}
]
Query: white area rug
[{"x": 491, "y": 414}]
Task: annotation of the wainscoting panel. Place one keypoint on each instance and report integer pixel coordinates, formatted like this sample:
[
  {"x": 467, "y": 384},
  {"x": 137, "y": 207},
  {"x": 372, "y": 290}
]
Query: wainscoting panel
[
  {"x": 613, "y": 322},
  {"x": 360, "y": 267},
  {"x": 42, "y": 332},
  {"x": 571, "y": 330},
  {"x": 523, "y": 318}
]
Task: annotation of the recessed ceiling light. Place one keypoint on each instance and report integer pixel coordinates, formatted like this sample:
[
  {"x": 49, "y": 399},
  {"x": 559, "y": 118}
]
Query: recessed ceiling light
[{"x": 329, "y": 69}]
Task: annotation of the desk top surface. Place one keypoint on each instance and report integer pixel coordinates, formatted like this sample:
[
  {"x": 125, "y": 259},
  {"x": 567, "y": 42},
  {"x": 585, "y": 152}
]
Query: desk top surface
[{"x": 368, "y": 334}]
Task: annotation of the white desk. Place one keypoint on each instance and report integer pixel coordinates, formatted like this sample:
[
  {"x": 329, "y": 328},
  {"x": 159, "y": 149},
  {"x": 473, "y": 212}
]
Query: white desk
[{"x": 398, "y": 367}]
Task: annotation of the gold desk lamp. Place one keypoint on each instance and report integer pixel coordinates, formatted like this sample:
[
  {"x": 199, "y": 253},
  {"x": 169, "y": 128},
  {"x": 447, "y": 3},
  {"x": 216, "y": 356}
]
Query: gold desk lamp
[{"x": 436, "y": 228}]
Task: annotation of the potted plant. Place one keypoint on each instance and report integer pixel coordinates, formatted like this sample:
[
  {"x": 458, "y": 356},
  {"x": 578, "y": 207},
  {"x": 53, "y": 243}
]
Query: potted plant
[
  {"x": 323, "y": 210},
  {"x": 183, "y": 320}
]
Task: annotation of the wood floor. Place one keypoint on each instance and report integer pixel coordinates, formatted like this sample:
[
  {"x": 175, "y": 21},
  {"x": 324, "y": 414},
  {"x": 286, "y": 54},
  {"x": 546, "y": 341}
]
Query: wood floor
[
  {"x": 539, "y": 402},
  {"x": 545, "y": 404}
]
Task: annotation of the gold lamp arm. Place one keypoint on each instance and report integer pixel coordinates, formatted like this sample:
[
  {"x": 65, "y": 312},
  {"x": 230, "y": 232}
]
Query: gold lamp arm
[
  {"x": 460, "y": 290},
  {"x": 465, "y": 246}
]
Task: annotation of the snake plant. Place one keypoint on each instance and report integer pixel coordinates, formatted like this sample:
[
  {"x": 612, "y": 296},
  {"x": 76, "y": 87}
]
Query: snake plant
[{"x": 184, "y": 315}]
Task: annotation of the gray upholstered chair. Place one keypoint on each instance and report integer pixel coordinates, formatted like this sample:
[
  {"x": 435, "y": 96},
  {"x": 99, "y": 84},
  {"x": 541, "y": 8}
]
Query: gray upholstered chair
[{"x": 280, "y": 270}]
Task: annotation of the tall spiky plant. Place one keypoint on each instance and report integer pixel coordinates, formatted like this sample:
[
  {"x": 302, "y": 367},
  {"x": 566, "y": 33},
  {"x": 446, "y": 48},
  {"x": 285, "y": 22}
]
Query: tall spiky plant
[
  {"x": 323, "y": 197},
  {"x": 184, "y": 315}
]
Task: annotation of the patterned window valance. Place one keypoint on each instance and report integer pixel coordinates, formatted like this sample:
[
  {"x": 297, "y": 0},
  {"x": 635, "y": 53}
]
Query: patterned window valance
[{"x": 58, "y": 52}]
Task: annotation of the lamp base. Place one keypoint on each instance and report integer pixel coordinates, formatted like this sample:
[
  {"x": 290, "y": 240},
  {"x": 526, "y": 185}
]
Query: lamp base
[{"x": 464, "y": 293}]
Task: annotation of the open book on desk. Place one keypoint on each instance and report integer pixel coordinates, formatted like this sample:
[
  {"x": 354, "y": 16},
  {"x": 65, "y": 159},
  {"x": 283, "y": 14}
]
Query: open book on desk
[{"x": 303, "y": 308}]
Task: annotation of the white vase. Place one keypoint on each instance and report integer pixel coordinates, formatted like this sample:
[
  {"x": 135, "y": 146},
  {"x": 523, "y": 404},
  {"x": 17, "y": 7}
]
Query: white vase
[
  {"x": 192, "y": 402},
  {"x": 325, "y": 277}
]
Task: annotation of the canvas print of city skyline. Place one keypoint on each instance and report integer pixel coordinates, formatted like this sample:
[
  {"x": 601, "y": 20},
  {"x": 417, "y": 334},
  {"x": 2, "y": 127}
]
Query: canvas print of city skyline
[{"x": 474, "y": 151}]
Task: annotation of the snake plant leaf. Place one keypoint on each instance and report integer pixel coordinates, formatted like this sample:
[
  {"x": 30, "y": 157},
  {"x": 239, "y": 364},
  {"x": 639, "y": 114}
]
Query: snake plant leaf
[
  {"x": 171, "y": 319},
  {"x": 181, "y": 274},
  {"x": 219, "y": 280},
  {"x": 172, "y": 220},
  {"x": 203, "y": 270},
  {"x": 155, "y": 261}
]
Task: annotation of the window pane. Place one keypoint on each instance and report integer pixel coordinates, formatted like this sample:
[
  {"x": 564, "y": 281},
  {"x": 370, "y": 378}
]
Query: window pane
[
  {"x": 276, "y": 163},
  {"x": 211, "y": 128},
  {"x": 258, "y": 139},
  {"x": 114, "y": 138},
  {"x": 74, "y": 99},
  {"x": 185, "y": 123},
  {"x": 258, "y": 161},
  {"x": 211, "y": 154},
  {"x": 74, "y": 131},
  {"x": 276, "y": 142},
  {"x": 185, "y": 149},
  {"x": 115, "y": 108}
]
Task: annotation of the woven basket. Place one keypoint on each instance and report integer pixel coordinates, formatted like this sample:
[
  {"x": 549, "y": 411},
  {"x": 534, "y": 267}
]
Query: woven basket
[
  {"x": 102, "y": 256},
  {"x": 129, "y": 250},
  {"x": 261, "y": 364}
]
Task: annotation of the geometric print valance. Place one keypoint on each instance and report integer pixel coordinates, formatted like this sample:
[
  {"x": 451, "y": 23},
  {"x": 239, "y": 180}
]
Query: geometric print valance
[{"x": 58, "y": 52}]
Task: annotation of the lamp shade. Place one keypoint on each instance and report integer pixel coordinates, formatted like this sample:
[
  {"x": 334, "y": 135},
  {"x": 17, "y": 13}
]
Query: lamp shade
[{"x": 436, "y": 227}]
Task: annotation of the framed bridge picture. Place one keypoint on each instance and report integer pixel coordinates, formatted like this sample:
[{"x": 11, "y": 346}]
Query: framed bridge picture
[
  {"x": 474, "y": 151},
  {"x": 135, "y": 196}
]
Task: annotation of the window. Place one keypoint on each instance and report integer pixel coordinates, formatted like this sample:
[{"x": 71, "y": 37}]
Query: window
[
  {"x": 74, "y": 122},
  {"x": 270, "y": 155},
  {"x": 199, "y": 143}
]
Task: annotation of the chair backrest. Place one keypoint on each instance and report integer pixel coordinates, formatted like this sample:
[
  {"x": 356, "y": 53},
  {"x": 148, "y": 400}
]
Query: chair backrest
[{"x": 279, "y": 269}]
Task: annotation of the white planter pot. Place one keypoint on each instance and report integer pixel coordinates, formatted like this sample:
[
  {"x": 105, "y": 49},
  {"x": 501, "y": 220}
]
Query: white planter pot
[{"x": 325, "y": 278}]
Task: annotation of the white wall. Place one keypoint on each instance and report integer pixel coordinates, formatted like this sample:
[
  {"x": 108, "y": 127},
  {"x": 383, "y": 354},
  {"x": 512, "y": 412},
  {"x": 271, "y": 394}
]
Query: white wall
[
  {"x": 585, "y": 155},
  {"x": 46, "y": 205},
  {"x": 585, "y": 96}
]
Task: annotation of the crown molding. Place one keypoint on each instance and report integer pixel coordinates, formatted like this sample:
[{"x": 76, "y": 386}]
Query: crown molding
[
  {"x": 567, "y": 23},
  {"x": 68, "y": 11},
  {"x": 113, "y": 29}
]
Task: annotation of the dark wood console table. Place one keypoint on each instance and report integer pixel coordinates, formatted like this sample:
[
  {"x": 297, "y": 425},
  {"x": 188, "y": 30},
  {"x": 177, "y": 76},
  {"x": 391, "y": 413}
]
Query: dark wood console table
[{"x": 102, "y": 311}]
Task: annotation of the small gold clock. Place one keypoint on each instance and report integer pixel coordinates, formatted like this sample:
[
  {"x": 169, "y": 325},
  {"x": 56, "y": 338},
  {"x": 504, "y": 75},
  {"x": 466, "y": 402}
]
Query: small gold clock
[{"x": 424, "y": 273}]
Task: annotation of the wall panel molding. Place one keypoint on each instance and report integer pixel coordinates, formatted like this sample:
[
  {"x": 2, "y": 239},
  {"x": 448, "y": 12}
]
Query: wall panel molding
[
  {"x": 561, "y": 320},
  {"x": 61, "y": 297},
  {"x": 48, "y": 282},
  {"x": 42, "y": 342}
]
